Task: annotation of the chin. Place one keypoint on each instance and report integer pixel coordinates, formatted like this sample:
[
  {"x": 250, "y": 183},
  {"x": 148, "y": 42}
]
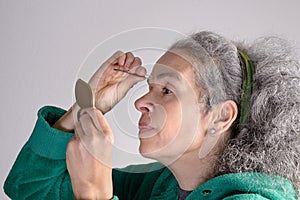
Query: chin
[
  {"x": 163, "y": 155},
  {"x": 148, "y": 151},
  {"x": 144, "y": 151}
]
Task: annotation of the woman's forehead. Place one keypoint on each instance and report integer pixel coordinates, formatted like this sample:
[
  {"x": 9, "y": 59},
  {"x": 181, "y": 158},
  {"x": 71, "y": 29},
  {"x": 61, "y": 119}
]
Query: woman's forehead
[{"x": 172, "y": 63}]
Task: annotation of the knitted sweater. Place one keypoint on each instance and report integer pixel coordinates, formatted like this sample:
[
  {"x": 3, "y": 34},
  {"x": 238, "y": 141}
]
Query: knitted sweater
[{"x": 40, "y": 172}]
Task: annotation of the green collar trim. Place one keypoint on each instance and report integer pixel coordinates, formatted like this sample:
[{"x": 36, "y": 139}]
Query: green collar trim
[{"x": 245, "y": 185}]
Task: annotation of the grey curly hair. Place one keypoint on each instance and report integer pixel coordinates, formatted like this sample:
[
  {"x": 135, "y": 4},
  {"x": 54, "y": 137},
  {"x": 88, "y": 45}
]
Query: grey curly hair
[{"x": 270, "y": 141}]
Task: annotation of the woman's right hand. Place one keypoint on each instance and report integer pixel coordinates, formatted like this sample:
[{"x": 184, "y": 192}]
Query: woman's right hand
[{"x": 110, "y": 86}]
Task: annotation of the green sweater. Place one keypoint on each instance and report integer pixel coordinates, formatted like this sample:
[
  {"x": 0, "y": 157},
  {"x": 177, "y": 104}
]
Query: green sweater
[{"x": 40, "y": 172}]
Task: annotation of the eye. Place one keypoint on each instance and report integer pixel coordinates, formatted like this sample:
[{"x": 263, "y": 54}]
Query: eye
[{"x": 166, "y": 91}]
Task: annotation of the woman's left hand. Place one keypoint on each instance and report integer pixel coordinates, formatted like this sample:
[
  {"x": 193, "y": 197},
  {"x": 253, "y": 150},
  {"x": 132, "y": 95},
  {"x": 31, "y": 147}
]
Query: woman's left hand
[{"x": 89, "y": 157}]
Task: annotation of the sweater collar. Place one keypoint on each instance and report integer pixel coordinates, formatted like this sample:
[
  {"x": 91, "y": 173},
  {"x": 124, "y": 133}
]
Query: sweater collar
[{"x": 268, "y": 186}]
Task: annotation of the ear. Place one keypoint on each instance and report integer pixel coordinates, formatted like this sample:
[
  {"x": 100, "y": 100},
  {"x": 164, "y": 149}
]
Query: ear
[{"x": 224, "y": 116}]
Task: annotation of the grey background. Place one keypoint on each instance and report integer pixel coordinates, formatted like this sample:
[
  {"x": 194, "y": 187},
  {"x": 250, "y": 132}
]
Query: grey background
[{"x": 43, "y": 44}]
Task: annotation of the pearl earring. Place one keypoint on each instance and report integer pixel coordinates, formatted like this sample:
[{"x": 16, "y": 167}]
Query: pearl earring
[{"x": 212, "y": 131}]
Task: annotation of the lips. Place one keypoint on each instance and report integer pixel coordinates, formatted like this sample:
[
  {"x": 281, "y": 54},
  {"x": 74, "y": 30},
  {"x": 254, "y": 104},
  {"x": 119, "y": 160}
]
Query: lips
[
  {"x": 146, "y": 131},
  {"x": 145, "y": 128},
  {"x": 144, "y": 124}
]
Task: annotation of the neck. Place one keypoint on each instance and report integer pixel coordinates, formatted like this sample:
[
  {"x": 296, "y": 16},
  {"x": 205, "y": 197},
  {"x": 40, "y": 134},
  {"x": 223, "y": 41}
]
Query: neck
[{"x": 191, "y": 172}]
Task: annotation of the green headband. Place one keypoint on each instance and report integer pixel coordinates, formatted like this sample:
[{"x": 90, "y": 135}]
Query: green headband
[{"x": 247, "y": 88}]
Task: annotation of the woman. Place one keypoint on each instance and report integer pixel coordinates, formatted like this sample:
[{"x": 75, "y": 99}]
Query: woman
[{"x": 222, "y": 129}]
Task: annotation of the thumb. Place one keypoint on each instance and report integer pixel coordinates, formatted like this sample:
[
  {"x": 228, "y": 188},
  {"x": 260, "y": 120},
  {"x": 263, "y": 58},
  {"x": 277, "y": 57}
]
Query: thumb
[{"x": 99, "y": 122}]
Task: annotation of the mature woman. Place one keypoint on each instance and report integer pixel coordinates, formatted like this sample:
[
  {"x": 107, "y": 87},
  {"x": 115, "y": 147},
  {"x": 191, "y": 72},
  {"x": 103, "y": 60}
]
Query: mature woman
[{"x": 223, "y": 118}]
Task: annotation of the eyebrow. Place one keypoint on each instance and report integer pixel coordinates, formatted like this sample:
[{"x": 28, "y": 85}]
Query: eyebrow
[{"x": 164, "y": 75}]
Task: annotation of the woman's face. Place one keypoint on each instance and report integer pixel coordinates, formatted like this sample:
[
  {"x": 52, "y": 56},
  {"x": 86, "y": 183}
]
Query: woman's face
[{"x": 173, "y": 121}]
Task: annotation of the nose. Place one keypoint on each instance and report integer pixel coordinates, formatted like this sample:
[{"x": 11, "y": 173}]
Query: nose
[{"x": 144, "y": 104}]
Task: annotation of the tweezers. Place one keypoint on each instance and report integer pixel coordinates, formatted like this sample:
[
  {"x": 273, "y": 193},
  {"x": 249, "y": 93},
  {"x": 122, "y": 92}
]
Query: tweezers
[{"x": 134, "y": 74}]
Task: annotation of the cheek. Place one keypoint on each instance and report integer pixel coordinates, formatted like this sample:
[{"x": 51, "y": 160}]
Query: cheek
[
  {"x": 176, "y": 135},
  {"x": 171, "y": 128},
  {"x": 177, "y": 131},
  {"x": 191, "y": 123},
  {"x": 181, "y": 117},
  {"x": 173, "y": 116},
  {"x": 168, "y": 119}
]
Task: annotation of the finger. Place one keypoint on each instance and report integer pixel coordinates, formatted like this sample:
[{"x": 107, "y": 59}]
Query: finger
[
  {"x": 136, "y": 62},
  {"x": 115, "y": 57},
  {"x": 131, "y": 80},
  {"x": 121, "y": 60},
  {"x": 139, "y": 70},
  {"x": 112, "y": 60},
  {"x": 85, "y": 134},
  {"x": 94, "y": 123},
  {"x": 99, "y": 119},
  {"x": 86, "y": 127},
  {"x": 106, "y": 66},
  {"x": 129, "y": 59},
  {"x": 79, "y": 132},
  {"x": 89, "y": 119}
]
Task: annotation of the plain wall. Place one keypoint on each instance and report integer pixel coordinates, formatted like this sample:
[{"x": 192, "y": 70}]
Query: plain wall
[{"x": 43, "y": 44}]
